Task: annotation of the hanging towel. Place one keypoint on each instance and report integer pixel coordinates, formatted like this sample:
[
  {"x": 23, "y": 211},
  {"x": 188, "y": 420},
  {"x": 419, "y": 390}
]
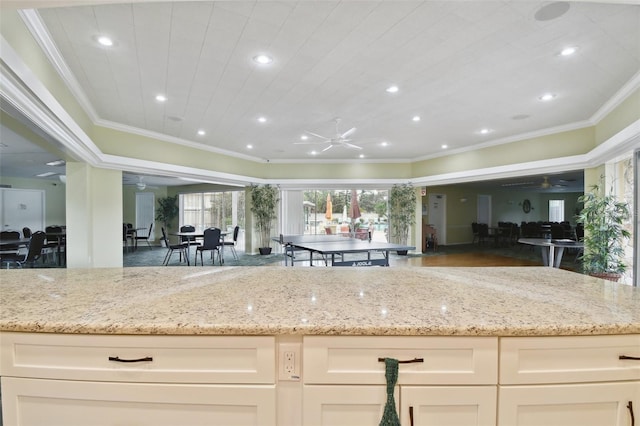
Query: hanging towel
[{"x": 390, "y": 416}]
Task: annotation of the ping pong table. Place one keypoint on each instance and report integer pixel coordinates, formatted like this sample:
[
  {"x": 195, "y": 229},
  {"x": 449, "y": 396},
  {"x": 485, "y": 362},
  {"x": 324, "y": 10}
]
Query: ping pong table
[{"x": 328, "y": 246}]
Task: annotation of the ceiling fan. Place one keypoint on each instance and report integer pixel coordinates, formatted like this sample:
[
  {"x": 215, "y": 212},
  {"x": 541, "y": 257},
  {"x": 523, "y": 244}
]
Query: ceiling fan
[
  {"x": 140, "y": 184},
  {"x": 340, "y": 139}
]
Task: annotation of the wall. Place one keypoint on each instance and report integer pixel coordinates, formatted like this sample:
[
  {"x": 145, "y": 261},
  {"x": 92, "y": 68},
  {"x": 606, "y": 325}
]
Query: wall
[
  {"x": 55, "y": 213},
  {"x": 506, "y": 206}
]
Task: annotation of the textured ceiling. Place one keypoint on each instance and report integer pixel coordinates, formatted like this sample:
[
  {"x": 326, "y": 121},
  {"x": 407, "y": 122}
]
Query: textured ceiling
[{"x": 459, "y": 65}]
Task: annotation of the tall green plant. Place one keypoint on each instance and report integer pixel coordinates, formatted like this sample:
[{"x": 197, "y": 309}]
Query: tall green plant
[
  {"x": 402, "y": 204},
  {"x": 167, "y": 210},
  {"x": 603, "y": 217},
  {"x": 264, "y": 200}
]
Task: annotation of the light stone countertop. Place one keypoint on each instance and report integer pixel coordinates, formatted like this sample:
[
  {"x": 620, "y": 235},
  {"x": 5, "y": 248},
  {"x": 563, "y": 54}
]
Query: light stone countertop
[{"x": 276, "y": 300}]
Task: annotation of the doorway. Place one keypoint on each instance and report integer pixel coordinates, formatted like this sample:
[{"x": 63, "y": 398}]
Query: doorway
[
  {"x": 438, "y": 216},
  {"x": 484, "y": 209}
]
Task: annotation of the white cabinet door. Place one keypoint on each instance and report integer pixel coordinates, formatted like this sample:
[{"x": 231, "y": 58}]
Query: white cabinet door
[
  {"x": 343, "y": 405},
  {"x": 595, "y": 404},
  {"x": 33, "y": 402},
  {"x": 448, "y": 405}
]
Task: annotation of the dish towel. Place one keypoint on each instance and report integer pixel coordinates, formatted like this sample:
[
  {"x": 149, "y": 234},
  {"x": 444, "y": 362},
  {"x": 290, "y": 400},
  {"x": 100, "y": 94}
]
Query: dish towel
[{"x": 390, "y": 416}]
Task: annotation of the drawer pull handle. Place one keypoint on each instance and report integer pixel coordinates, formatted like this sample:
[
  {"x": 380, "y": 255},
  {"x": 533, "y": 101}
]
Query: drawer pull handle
[
  {"x": 409, "y": 361},
  {"x": 118, "y": 359},
  {"x": 637, "y": 358},
  {"x": 411, "y": 416},
  {"x": 630, "y": 407}
]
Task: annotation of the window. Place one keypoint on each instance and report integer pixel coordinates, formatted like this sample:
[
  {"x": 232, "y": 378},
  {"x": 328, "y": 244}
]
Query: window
[
  {"x": 556, "y": 210},
  {"x": 222, "y": 210},
  {"x": 372, "y": 204}
]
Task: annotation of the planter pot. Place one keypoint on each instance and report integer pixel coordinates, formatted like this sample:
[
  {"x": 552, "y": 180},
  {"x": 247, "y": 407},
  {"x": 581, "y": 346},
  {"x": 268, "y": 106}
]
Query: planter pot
[
  {"x": 265, "y": 250},
  {"x": 611, "y": 276},
  {"x": 402, "y": 252}
]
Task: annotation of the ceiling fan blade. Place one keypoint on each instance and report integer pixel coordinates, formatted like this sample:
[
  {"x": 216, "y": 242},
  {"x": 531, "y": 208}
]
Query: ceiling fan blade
[
  {"x": 327, "y": 148},
  {"x": 352, "y": 146},
  {"x": 311, "y": 143},
  {"x": 317, "y": 135},
  {"x": 347, "y": 133}
]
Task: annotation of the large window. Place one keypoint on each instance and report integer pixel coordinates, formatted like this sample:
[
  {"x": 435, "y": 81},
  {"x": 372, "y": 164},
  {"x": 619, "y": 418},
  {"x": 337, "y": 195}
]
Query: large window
[
  {"x": 222, "y": 210},
  {"x": 372, "y": 205},
  {"x": 556, "y": 210}
]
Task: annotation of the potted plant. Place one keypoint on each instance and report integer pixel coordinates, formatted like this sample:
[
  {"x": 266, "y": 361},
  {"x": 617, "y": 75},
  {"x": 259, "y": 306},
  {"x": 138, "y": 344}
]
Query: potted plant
[
  {"x": 167, "y": 210},
  {"x": 264, "y": 200},
  {"x": 402, "y": 204},
  {"x": 603, "y": 218}
]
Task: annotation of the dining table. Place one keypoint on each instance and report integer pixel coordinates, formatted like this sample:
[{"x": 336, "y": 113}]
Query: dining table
[
  {"x": 60, "y": 238},
  {"x": 552, "y": 250},
  {"x": 191, "y": 237}
]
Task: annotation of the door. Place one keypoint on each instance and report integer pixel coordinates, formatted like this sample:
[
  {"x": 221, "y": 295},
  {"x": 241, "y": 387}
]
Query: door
[
  {"x": 30, "y": 402},
  {"x": 343, "y": 405},
  {"x": 560, "y": 405},
  {"x": 22, "y": 207},
  {"x": 145, "y": 212},
  {"x": 448, "y": 405},
  {"x": 438, "y": 216}
]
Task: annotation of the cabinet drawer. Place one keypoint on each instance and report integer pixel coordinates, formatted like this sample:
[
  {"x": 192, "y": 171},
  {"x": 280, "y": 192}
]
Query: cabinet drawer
[
  {"x": 31, "y": 402},
  {"x": 568, "y": 359},
  {"x": 354, "y": 359},
  {"x": 184, "y": 359}
]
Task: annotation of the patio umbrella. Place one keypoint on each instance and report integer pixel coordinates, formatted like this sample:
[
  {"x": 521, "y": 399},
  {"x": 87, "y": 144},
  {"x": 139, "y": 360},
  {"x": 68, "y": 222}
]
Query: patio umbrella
[
  {"x": 354, "y": 209},
  {"x": 329, "y": 211}
]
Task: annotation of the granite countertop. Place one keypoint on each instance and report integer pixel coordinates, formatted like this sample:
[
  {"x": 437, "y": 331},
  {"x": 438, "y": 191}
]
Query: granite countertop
[{"x": 276, "y": 300}]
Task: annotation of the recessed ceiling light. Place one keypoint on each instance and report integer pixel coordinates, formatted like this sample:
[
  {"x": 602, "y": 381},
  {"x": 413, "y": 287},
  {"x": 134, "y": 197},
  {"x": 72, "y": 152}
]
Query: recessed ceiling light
[
  {"x": 314, "y": 153},
  {"x": 547, "y": 97},
  {"x": 56, "y": 163},
  {"x": 249, "y": 146},
  {"x": 201, "y": 132},
  {"x": 161, "y": 98},
  {"x": 262, "y": 119},
  {"x": 304, "y": 137},
  {"x": 47, "y": 174},
  {"x": 361, "y": 155},
  {"x": 444, "y": 146},
  {"x": 384, "y": 143},
  {"x": 416, "y": 118},
  {"x": 105, "y": 41},
  {"x": 568, "y": 51},
  {"x": 485, "y": 131},
  {"x": 392, "y": 89},
  {"x": 263, "y": 59}
]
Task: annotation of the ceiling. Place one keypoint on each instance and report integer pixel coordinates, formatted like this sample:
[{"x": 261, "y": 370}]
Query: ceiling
[{"x": 461, "y": 66}]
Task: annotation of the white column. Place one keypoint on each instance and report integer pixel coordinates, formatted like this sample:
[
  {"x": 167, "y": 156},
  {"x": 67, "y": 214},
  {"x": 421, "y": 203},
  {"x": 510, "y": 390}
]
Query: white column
[{"x": 94, "y": 217}]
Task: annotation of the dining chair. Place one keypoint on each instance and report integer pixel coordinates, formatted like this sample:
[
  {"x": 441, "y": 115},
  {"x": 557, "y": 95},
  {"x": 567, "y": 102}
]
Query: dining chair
[
  {"x": 145, "y": 237},
  {"x": 232, "y": 244},
  {"x": 26, "y": 232},
  {"x": 10, "y": 235},
  {"x": 189, "y": 240},
  {"x": 180, "y": 248},
  {"x": 31, "y": 256},
  {"x": 211, "y": 242}
]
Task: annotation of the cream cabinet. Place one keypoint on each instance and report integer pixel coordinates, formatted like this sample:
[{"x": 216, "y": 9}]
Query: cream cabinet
[
  {"x": 50, "y": 379},
  {"x": 579, "y": 380},
  {"x": 452, "y": 381}
]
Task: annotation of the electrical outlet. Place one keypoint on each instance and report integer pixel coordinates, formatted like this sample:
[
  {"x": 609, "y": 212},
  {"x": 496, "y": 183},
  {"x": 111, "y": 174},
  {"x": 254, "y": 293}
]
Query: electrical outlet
[{"x": 289, "y": 361}]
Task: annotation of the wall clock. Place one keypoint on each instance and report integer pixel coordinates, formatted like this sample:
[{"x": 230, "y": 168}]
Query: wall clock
[{"x": 526, "y": 206}]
